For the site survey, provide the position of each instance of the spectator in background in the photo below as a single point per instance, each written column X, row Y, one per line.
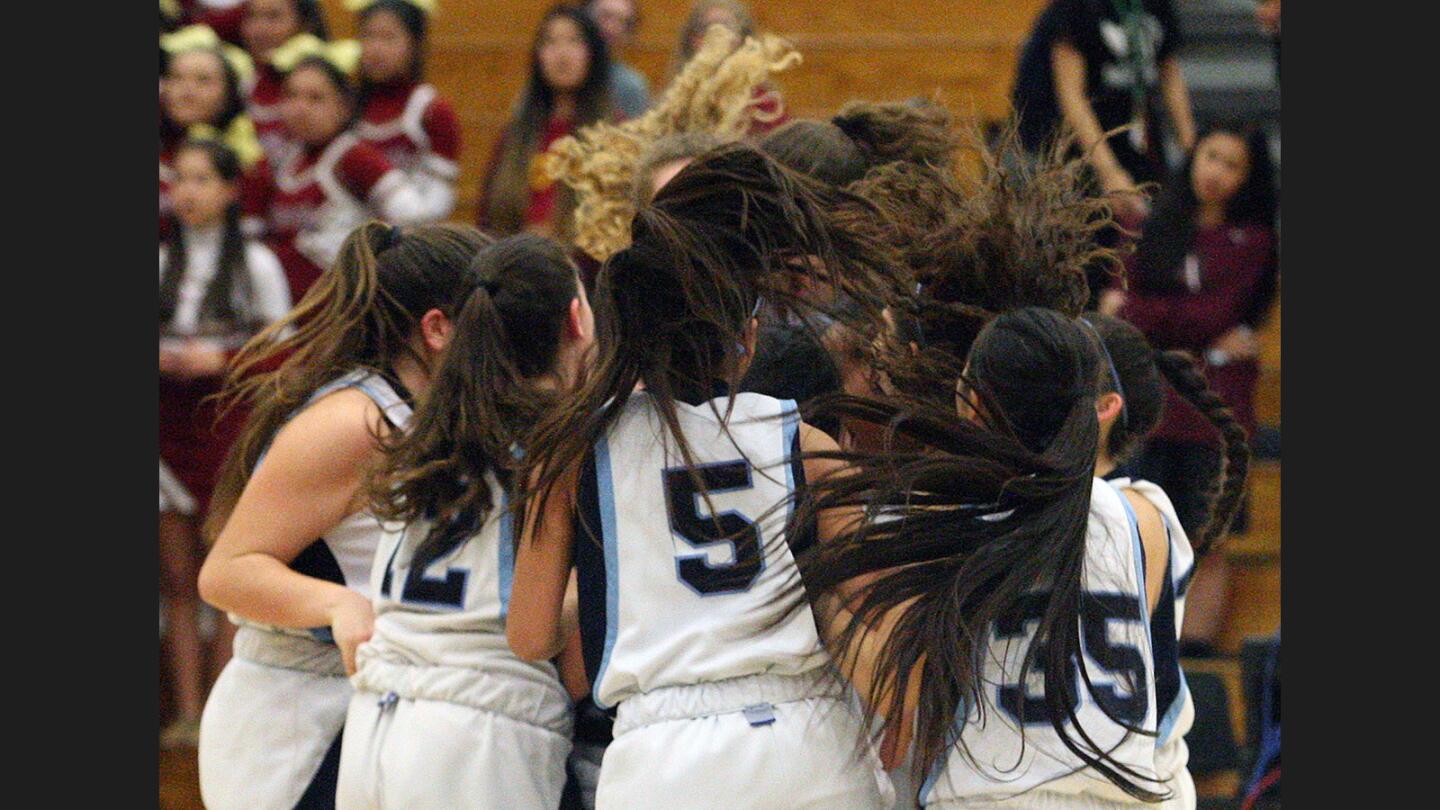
column 569, row 87
column 217, row 288
column 269, row 24
column 769, row 104
column 332, row 181
column 201, row 93
column 1094, row 65
column 1267, row 13
column 617, row 21
column 401, row 116
column 224, row 16
column 1202, row 279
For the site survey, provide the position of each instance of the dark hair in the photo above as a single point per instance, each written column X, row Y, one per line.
column 482, row 400
column 346, row 85
column 312, row 18
column 667, row 149
column 864, row 135
column 1007, row 233
column 232, row 279
column 359, row 313
column 234, row 104
column 416, row 23
column 507, row 190
column 1029, row 456
column 1169, row 232
column 671, row 307
column 1143, row 372
column 791, row 362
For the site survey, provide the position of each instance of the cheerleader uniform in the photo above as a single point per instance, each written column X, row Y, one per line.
column 263, row 106
column 319, row 194
column 192, row 446
column 270, row 735
column 420, row 135
column 444, row 715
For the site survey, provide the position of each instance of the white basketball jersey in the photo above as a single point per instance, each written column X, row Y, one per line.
column 1115, row 635
column 665, row 598
column 451, row 612
column 1172, row 695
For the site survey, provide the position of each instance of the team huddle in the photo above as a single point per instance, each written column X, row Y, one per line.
column 822, row 505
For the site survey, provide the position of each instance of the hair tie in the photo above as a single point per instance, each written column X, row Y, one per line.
column 492, row 286
column 1114, row 374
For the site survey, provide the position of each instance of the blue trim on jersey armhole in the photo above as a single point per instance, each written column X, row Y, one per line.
column 791, row 413
column 606, row 486
column 1139, row 561
column 1172, row 712
column 507, row 554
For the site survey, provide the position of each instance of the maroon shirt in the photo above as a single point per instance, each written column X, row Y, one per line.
column 1232, row 271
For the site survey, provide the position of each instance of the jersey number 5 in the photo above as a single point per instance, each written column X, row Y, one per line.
column 1123, row 663
column 682, row 503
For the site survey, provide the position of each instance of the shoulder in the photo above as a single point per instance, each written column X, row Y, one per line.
column 336, row 431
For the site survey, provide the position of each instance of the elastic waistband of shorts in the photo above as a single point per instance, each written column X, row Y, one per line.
column 288, row 651
column 722, row 697
column 534, row 700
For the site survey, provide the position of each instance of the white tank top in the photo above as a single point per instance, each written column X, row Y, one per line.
column 1175, row 710
column 440, row 630
column 662, row 601
column 1115, row 629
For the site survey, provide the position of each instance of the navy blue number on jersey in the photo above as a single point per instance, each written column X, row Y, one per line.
column 447, row 591
column 682, row 504
column 1122, row 663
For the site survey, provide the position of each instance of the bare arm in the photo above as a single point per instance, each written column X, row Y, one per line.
column 833, row 614
column 543, row 612
column 1067, row 65
column 309, row 480
column 1177, row 102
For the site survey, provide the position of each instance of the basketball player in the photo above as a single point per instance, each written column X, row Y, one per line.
column 664, row 500
column 291, row 561
column 444, row 715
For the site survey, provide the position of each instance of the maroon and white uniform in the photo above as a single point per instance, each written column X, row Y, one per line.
column 263, row 105
column 420, row 135
column 319, row 194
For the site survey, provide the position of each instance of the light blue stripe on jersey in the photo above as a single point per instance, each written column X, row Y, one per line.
column 507, row 554
column 606, row 495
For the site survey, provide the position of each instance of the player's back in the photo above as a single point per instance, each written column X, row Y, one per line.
column 440, row 625
column 665, row 598
column 1115, row 639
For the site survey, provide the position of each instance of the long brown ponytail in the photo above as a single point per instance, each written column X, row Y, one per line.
column 731, row 228
column 482, row 399
column 1026, row 464
column 359, row 314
